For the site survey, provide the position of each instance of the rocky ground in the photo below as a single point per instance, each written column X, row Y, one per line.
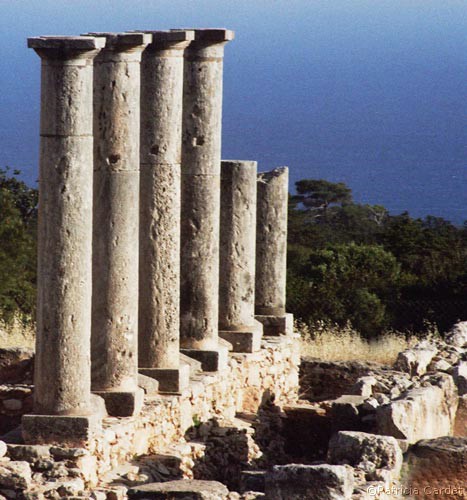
column 359, row 431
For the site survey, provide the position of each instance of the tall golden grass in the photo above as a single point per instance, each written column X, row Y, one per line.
column 322, row 340
column 18, row 332
column 336, row 343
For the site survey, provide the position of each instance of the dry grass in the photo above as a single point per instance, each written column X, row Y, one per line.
column 334, row 343
column 17, row 333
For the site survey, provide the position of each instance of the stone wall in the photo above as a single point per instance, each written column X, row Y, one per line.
column 16, row 366
column 217, row 426
column 249, row 382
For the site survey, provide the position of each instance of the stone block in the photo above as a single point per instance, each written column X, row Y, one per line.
column 457, row 336
column 248, row 340
column 460, row 425
column 359, row 449
column 28, row 453
column 183, row 489
column 460, row 377
column 276, row 325
column 211, row 361
column 62, row 430
column 426, row 412
column 317, row 482
column 252, row 480
column 437, row 467
column 124, row 403
column 195, row 365
column 172, row 381
column 149, row 385
column 15, row 475
column 415, row 360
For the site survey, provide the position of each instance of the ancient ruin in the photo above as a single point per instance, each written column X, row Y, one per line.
column 166, row 364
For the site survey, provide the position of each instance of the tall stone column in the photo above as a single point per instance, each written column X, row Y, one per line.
column 114, row 334
column 237, row 322
column 201, row 163
column 271, row 252
column 62, row 378
column 160, row 192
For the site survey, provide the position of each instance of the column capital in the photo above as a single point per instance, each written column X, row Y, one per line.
column 174, row 36
column 212, row 35
column 120, row 42
column 165, row 40
column 66, row 47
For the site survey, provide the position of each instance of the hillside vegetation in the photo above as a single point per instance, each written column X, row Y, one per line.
column 356, row 263
column 347, row 263
column 18, row 228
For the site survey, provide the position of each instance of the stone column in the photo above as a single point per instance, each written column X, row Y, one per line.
column 201, row 163
column 114, row 333
column 62, row 382
column 161, row 143
column 271, row 252
column 237, row 322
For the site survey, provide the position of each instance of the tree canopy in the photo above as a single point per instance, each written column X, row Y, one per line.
column 18, row 218
column 348, row 261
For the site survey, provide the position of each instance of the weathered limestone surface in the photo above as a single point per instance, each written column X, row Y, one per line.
column 423, row 413
column 416, row 360
column 367, row 451
column 460, row 425
column 320, row 482
column 174, row 426
column 114, row 334
column 437, row 468
column 160, row 212
column 62, row 369
column 457, row 336
column 459, row 374
column 271, row 252
column 271, row 241
column 186, row 489
column 237, row 256
column 201, row 163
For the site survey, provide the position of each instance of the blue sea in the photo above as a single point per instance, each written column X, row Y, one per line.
column 368, row 93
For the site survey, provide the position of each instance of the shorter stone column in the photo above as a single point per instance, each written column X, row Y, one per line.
column 114, row 334
column 160, row 192
column 64, row 410
column 237, row 322
column 271, row 252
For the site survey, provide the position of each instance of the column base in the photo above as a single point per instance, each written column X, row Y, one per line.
column 195, row 365
column 149, row 385
column 64, row 430
column 171, row 380
column 244, row 340
column 276, row 325
column 211, row 361
column 122, row 403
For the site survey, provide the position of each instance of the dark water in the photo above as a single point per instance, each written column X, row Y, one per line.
column 369, row 93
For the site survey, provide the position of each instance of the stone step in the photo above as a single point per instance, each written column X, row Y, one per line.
column 188, row 489
column 252, row 480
